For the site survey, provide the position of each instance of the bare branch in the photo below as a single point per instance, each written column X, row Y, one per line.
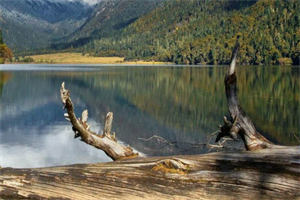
column 84, row 116
column 108, row 124
column 234, row 57
column 105, row 142
column 158, row 139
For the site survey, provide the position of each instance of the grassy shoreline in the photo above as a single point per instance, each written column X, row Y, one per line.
column 78, row 58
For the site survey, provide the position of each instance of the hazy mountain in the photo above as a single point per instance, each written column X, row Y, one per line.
column 108, row 18
column 35, row 24
column 31, row 24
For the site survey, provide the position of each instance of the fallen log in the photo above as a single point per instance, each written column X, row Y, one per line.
column 264, row 174
column 264, row 171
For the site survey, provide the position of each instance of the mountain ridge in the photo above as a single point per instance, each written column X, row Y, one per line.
column 108, row 17
column 33, row 24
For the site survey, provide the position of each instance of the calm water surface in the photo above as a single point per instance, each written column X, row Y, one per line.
column 183, row 105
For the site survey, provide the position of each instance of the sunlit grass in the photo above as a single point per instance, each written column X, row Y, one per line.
column 70, row 58
column 78, row 58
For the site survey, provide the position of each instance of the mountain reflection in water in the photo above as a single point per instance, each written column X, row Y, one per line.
column 182, row 105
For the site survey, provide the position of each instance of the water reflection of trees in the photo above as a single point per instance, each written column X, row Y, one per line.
column 271, row 98
column 192, row 100
column 1, row 83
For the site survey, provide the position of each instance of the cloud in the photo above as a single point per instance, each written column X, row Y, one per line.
column 90, row 2
column 52, row 146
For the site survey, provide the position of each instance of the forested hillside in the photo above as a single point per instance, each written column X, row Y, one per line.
column 179, row 31
column 203, row 32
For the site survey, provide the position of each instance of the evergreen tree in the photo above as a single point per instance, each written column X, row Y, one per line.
column 1, row 39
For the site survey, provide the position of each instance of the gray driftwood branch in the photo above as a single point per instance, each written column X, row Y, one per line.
column 106, row 141
column 240, row 124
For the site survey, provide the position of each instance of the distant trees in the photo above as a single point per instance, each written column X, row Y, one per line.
column 1, row 38
column 5, row 52
column 201, row 32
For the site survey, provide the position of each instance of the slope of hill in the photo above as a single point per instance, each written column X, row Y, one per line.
column 200, row 31
column 107, row 20
column 32, row 24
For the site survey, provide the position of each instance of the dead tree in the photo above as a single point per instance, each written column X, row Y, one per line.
column 240, row 124
column 265, row 171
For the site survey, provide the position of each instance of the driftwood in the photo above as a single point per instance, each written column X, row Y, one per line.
column 106, row 141
column 240, row 124
column 264, row 171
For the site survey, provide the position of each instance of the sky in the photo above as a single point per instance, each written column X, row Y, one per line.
column 91, row 2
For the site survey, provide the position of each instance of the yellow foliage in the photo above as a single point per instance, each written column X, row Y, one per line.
column 5, row 53
column 285, row 61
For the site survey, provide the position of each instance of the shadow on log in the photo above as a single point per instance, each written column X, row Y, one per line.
column 265, row 171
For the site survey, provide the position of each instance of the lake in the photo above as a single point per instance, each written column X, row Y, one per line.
column 179, row 105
